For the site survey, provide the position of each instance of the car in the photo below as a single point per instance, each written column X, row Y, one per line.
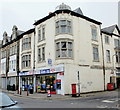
column 6, row 102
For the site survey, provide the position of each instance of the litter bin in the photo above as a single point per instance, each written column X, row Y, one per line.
column 110, row 86
column 13, row 87
column 73, row 90
column 31, row 91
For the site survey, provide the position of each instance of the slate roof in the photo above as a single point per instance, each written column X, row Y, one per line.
column 109, row 30
column 66, row 11
column 79, row 11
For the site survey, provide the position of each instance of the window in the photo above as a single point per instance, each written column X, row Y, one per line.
column 13, row 50
column 95, row 54
column 26, row 43
column 117, row 56
column 12, row 65
column 41, row 54
column 64, row 49
column 108, row 55
column 94, row 34
column 107, row 39
column 63, row 26
column 41, row 33
column 26, row 61
column 117, row 43
column 3, row 54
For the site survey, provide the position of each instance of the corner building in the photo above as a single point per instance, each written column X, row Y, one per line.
column 67, row 42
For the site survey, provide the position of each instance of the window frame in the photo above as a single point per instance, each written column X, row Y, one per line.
column 63, row 52
column 95, row 53
column 59, row 25
column 41, row 55
column 108, row 59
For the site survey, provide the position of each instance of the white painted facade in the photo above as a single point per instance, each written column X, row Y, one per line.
column 82, row 59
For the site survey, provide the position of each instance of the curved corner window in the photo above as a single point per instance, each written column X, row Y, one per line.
column 63, row 27
column 64, row 49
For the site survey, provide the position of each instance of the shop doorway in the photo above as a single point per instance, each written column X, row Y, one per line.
column 44, row 81
column 118, row 82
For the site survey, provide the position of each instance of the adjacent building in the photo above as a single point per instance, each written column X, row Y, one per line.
column 64, row 48
column 10, row 58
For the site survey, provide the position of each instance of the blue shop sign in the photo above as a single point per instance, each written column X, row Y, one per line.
column 44, row 71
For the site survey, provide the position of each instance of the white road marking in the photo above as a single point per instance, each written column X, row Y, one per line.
column 101, row 106
column 111, row 100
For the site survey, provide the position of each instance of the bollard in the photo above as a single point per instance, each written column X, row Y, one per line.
column 20, row 91
column 27, row 92
column 48, row 93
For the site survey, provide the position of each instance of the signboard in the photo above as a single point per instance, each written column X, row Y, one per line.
column 25, row 73
column 58, row 68
column 49, row 61
column 44, row 71
column 12, row 74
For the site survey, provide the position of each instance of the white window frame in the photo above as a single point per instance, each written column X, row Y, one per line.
column 94, row 33
column 26, row 61
column 107, row 39
column 41, row 53
column 41, row 33
column 108, row 56
column 59, row 25
column 63, row 50
column 95, row 53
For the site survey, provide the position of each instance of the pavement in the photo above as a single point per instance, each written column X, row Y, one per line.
column 44, row 96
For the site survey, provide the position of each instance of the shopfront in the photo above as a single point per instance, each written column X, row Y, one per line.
column 26, row 79
column 50, row 77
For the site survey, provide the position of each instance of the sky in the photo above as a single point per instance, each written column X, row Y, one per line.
column 23, row 13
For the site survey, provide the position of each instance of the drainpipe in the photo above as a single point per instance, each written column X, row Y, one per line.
column 103, row 60
column 34, row 76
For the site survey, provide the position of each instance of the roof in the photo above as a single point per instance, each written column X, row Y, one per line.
column 109, row 30
column 66, row 11
column 79, row 11
column 19, row 36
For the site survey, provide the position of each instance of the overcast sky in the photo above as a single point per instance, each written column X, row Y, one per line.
column 23, row 13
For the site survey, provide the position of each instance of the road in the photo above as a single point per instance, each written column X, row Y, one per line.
column 103, row 100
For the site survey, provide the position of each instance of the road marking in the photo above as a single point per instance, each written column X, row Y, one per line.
column 111, row 100
column 101, row 106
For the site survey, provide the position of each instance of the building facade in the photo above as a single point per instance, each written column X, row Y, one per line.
column 10, row 58
column 62, row 49
column 111, row 45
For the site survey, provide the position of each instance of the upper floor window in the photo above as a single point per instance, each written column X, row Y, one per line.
column 26, row 43
column 94, row 33
column 12, row 65
column 3, row 54
column 63, row 27
column 118, row 56
column 95, row 53
column 26, row 61
column 13, row 50
column 64, row 49
column 41, row 53
column 108, row 55
column 117, row 42
column 107, row 40
column 41, row 33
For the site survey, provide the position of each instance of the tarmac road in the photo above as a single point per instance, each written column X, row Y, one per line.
column 102, row 100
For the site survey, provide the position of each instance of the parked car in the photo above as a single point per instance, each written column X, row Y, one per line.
column 7, row 103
